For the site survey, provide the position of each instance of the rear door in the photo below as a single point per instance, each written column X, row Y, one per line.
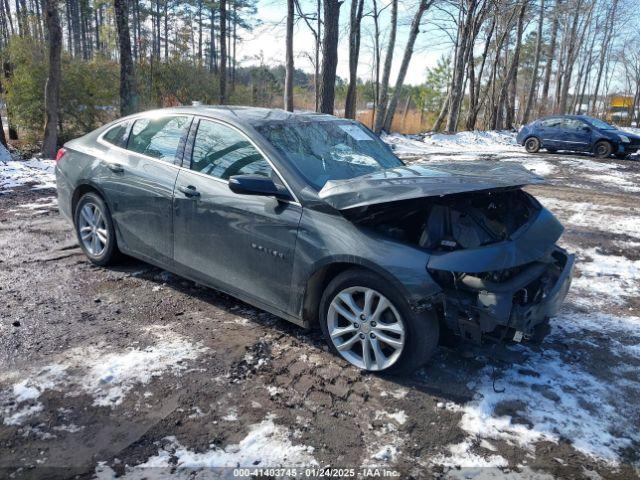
column 551, row 133
column 242, row 243
column 142, row 176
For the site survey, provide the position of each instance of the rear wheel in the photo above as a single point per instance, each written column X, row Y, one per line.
column 532, row 145
column 603, row 149
column 370, row 325
column 94, row 229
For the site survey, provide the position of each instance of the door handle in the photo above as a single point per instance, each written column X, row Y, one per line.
column 115, row 167
column 189, row 191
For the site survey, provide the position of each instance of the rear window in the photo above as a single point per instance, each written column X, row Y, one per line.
column 115, row 135
column 158, row 137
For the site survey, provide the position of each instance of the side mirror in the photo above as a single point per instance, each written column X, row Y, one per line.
column 586, row 129
column 257, row 185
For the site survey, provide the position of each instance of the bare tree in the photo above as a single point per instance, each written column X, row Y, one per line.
column 329, row 55
column 355, row 20
column 383, row 99
column 404, row 66
column 536, row 65
column 550, row 54
column 223, row 52
column 128, row 97
column 289, row 67
column 52, row 88
column 464, row 42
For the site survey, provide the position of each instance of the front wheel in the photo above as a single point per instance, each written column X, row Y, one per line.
column 603, row 149
column 370, row 325
column 532, row 145
column 94, row 228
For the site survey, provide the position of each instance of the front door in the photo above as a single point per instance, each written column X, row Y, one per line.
column 242, row 243
column 578, row 134
column 142, row 176
column 551, row 133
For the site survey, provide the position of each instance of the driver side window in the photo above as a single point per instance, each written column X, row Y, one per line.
column 222, row 152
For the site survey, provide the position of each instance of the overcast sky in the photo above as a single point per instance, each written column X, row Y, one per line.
column 268, row 40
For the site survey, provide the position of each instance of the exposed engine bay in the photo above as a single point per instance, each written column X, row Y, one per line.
column 514, row 302
column 452, row 222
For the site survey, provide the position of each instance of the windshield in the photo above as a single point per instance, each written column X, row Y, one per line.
column 601, row 125
column 329, row 150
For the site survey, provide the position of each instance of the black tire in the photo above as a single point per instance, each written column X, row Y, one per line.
column 421, row 331
column 109, row 253
column 602, row 149
column 552, row 150
column 532, row 145
column 622, row 156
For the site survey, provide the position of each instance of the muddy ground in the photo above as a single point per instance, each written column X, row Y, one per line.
column 203, row 370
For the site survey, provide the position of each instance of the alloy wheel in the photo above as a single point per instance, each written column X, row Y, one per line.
column 366, row 328
column 93, row 229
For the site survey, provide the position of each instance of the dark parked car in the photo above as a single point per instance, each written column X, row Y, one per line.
column 577, row 133
column 314, row 219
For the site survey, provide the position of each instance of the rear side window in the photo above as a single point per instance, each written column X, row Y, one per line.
column 116, row 134
column 551, row 122
column 572, row 124
column 221, row 152
column 158, row 137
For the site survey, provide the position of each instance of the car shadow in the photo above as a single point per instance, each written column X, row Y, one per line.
column 445, row 377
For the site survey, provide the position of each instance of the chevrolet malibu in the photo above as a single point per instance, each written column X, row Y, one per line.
column 314, row 219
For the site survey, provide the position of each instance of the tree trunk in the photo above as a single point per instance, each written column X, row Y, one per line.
column 3, row 138
column 52, row 87
column 572, row 52
column 316, row 77
column 128, row 97
column 457, row 83
column 536, row 64
column 608, row 32
column 386, row 71
column 289, row 67
column 513, row 85
column 354, row 53
column 404, row 66
column 376, row 59
column 213, row 64
column 474, row 96
column 550, row 57
column 329, row 55
column 223, row 52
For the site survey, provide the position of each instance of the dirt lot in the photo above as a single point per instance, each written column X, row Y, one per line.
column 134, row 371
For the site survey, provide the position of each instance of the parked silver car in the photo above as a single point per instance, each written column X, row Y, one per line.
column 314, row 219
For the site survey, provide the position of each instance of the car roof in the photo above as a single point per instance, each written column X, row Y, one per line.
column 248, row 115
column 577, row 117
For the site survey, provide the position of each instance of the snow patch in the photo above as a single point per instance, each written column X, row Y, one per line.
column 398, row 416
column 460, row 456
column 604, row 218
column 605, row 279
column 266, row 445
column 106, row 376
column 466, row 147
column 16, row 173
column 561, row 398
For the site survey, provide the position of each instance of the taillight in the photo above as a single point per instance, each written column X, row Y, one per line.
column 60, row 154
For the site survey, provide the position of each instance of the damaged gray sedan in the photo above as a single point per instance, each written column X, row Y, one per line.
column 314, row 219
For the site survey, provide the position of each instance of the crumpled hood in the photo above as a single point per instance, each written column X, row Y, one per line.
column 424, row 180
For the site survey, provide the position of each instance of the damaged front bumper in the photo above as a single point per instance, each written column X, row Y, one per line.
column 512, row 304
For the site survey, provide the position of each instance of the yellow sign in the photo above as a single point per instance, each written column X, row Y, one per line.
column 621, row 101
